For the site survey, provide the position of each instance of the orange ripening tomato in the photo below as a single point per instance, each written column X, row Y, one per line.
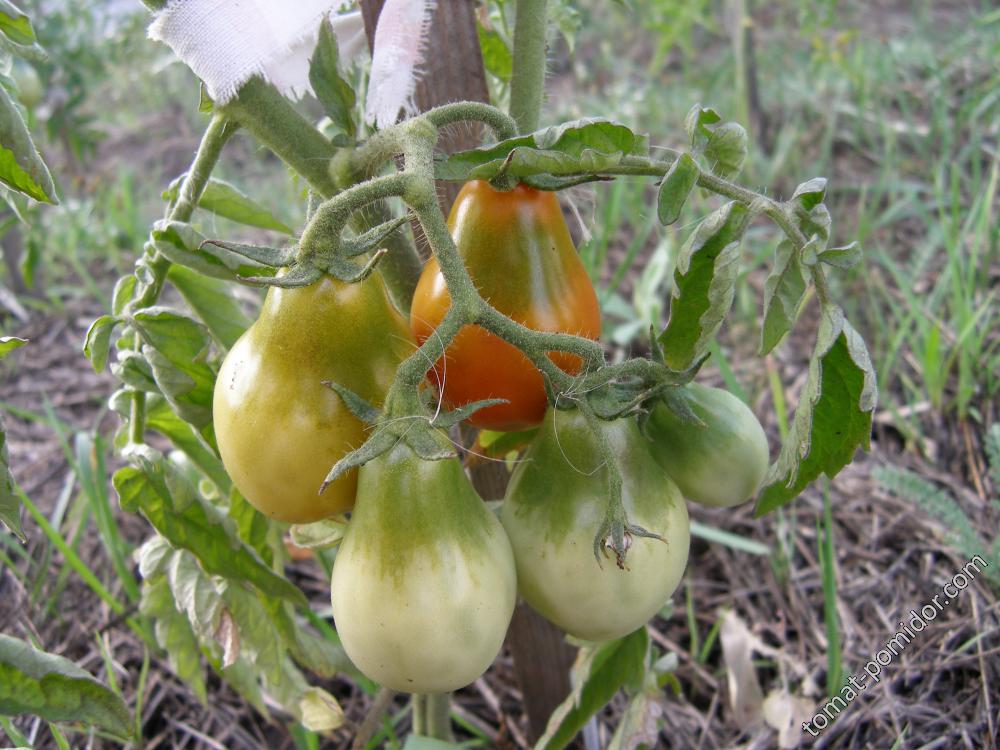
column 519, row 253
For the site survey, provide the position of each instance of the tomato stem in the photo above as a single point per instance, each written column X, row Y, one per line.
column 527, row 82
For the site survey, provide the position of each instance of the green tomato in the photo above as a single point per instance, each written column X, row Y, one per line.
column 278, row 427
column 423, row 584
column 721, row 463
column 555, row 504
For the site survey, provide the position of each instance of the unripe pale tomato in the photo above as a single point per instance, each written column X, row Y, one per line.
column 279, row 429
column 721, row 464
column 554, row 506
column 518, row 251
column 423, row 585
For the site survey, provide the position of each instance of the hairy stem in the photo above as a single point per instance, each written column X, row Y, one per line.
column 527, row 81
column 216, row 135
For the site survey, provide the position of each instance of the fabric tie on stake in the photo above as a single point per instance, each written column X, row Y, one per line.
column 227, row 42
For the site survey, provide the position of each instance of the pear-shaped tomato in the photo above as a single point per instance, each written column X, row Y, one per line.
column 721, row 464
column 519, row 253
column 423, row 584
column 279, row 429
column 555, row 504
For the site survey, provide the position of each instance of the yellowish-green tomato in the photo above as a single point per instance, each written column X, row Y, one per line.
column 721, row 463
column 423, row 584
column 555, row 504
column 278, row 427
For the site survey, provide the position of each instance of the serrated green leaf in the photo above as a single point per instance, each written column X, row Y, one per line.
column 704, row 285
column 726, row 149
column 677, row 185
column 834, row 416
column 9, row 344
column 600, row 671
column 176, row 347
column 784, row 291
column 97, row 344
column 153, row 557
column 21, row 166
column 54, row 688
column 212, row 301
column 174, row 635
column 188, row 522
column 180, row 243
column 224, row 199
column 587, row 145
column 497, row 57
column 333, row 92
column 10, row 503
column 845, row 257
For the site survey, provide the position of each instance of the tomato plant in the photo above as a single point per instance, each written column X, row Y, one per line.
column 721, row 461
column 557, row 498
column 423, row 586
column 278, row 426
column 518, row 251
column 325, row 399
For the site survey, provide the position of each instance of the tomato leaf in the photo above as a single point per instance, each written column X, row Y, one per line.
column 97, row 344
column 204, row 455
column 224, row 199
column 319, row 535
column 253, row 526
column 784, row 291
column 639, row 725
column 9, row 344
column 600, row 671
column 174, row 635
column 845, row 257
column 497, row 57
column 587, row 145
column 212, row 301
column 10, row 503
column 179, row 513
column 180, row 243
column 696, row 123
column 726, row 149
column 704, row 285
column 333, row 92
column 15, row 24
column 677, row 185
column 125, row 291
column 134, row 370
column 54, row 688
column 176, row 347
column 810, row 193
column 21, row 166
column 834, row 415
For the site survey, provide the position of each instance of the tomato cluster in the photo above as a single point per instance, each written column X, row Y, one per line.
column 426, row 578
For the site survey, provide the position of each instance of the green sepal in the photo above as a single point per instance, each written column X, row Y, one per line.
column 447, row 419
column 372, row 239
column 373, row 447
column 358, row 406
column 180, row 243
